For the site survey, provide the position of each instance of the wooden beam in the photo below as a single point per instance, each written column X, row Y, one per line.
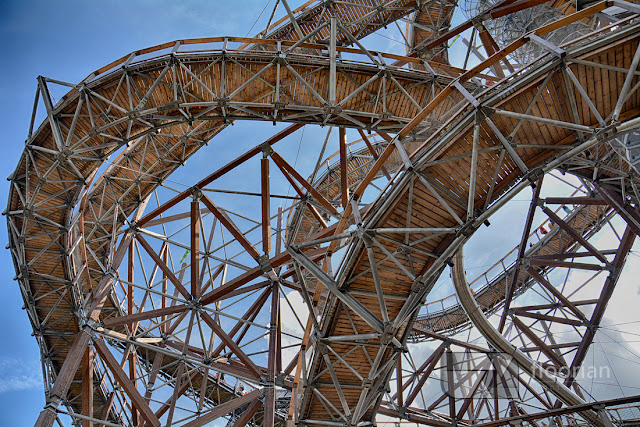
column 235, row 348
column 220, row 172
column 224, row 409
column 129, row 319
column 87, row 386
column 373, row 152
column 231, row 226
column 248, row 414
column 164, row 267
column 136, row 399
column 266, row 206
column 270, row 395
column 195, row 245
column 283, row 165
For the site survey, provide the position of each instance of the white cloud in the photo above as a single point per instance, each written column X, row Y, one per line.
column 16, row 375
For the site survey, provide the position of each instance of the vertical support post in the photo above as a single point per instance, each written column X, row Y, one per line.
column 165, row 259
column 266, row 205
column 332, row 62
column 399, row 380
column 451, row 386
column 131, row 357
column 195, row 245
column 343, row 167
column 279, row 233
column 270, row 396
column 474, row 170
column 87, row 386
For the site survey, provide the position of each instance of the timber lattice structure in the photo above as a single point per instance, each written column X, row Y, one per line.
column 131, row 333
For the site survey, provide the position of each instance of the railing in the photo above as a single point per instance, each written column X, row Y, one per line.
column 498, row 270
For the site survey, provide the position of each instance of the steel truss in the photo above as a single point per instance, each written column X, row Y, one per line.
column 130, row 335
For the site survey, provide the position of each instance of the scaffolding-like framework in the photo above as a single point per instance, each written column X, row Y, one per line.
column 149, row 304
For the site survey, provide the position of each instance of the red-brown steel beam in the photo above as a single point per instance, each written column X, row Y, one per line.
column 129, row 319
column 235, row 349
column 155, row 370
column 256, row 272
column 433, row 362
column 566, row 255
column 248, row 316
column 181, row 387
column 565, row 264
column 556, row 293
column 536, row 340
column 130, row 309
column 575, row 201
column 550, row 318
column 573, row 233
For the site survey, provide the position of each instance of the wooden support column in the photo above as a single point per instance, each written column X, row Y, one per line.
column 165, row 259
column 451, row 386
column 195, row 245
column 87, row 386
column 266, row 205
column 344, row 182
